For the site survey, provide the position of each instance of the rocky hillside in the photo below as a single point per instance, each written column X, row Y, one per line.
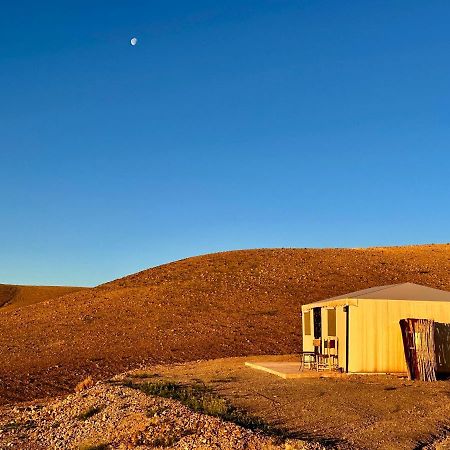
column 226, row 304
column 14, row 296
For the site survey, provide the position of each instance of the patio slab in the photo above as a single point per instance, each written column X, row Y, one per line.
column 291, row 369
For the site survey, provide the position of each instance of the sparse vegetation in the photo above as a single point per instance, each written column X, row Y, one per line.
column 144, row 375
column 99, row 446
column 202, row 399
column 19, row 426
column 11, row 426
column 92, row 411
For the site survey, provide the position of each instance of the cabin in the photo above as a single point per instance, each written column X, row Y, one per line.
column 361, row 330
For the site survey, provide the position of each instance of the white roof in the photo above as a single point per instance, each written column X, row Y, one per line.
column 403, row 291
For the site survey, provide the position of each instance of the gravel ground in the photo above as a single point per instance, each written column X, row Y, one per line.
column 123, row 418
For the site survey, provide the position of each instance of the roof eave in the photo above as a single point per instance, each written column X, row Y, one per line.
column 331, row 303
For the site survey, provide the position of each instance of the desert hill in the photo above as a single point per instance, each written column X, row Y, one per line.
column 218, row 305
column 14, row 296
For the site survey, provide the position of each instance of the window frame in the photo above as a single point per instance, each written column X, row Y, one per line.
column 331, row 312
column 307, row 329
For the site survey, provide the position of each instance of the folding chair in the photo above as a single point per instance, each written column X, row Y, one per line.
column 331, row 353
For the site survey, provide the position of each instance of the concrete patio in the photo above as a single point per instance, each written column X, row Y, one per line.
column 291, row 369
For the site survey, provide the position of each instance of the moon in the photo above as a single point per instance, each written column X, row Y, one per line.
column 133, row 41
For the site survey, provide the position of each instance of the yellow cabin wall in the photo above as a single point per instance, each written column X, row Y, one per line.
column 375, row 341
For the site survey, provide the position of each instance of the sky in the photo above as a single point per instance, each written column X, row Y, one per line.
column 230, row 125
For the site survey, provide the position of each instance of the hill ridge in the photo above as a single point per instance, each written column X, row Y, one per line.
column 13, row 296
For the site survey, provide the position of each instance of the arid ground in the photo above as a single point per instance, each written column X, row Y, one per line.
column 220, row 305
column 350, row 412
column 346, row 413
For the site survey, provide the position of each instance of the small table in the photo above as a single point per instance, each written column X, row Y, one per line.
column 307, row 359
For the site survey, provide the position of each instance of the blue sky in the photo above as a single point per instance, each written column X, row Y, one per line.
column 230, row 125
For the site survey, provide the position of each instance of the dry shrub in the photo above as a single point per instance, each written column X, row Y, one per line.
column 86, row 414
column 85, row 384
column 93, row 446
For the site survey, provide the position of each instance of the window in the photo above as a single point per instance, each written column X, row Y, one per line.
column 317, row 321
column 307, row 322
column 331, row 322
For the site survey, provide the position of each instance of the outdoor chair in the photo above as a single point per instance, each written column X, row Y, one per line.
column 307, row 360
column 330, row 356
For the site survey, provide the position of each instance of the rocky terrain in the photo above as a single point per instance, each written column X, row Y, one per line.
column 222, row 404
column 226, row 304
column 112, row 416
